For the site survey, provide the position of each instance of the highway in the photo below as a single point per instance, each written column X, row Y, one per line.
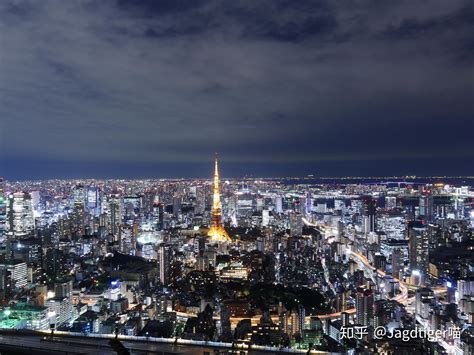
column 402, row 297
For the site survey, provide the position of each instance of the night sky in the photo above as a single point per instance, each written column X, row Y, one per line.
column 279, row 88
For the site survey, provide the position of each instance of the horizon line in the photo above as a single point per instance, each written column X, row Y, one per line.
column 305, row 177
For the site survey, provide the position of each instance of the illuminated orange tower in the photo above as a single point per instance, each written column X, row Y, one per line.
column 217, row 231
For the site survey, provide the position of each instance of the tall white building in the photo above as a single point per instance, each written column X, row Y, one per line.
column 13, row 275
column 61, row 307
column 265, row 217
column 279, row 204
column 36, row 199
column 164, row 260
column 21, row 220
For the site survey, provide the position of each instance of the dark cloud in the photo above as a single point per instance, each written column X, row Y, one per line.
column 459, row 18
column 274, row 86
column 153, row 8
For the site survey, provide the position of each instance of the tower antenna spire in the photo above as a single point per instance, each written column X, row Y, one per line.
column 217, row 231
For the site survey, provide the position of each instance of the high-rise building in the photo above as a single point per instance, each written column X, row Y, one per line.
column 424, row 299
column 21, row 222
column 296, row 224
column 61, row 307
column 176, row 206
column 284, row 323
column 308, row 203
column 301, row 319
column 78, row 219
column 265, row 217
column 298, row 320
column 279, row 204
column 79, row 194
column 397, row 263
column 364, row 307
column 103, row 225
column 382, row 312
column 380, row 261
column 3, row 210
column 115, row 211
column 200, row 205
column 164, row 261
column 370, row 212
column 418, row 247
column 35, row 199
column 426, row 207
column 13, row 275
column 226, row 332
column 217, row 231
column 148, row 200
column 158, row 214
column 126, row 239
column 93, row 200
column 436, row 236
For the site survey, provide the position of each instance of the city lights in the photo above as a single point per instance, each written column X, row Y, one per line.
column 294, row 264
column 236, row 177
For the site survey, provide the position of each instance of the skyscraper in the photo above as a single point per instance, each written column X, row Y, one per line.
column 115, row 207
column 79, row 194
column 176, row 206
column 364, row 307
column 217, row 231
column 426, row 207
column 93, row 202
column 164, row 260
column 296, row 224
column 20, row 215
column 424, row 297
column 78, row 219
column 158, row 215
column 370, row 212
column 3, row 210
column 397, row 262
column 418, row 247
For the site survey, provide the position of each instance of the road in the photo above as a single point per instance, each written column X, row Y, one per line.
column 402, row 297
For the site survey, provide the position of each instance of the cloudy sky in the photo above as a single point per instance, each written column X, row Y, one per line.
column 153, row 88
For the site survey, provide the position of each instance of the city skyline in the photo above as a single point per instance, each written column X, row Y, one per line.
column 255, row 264
column 142, row 89
column 230, row 177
